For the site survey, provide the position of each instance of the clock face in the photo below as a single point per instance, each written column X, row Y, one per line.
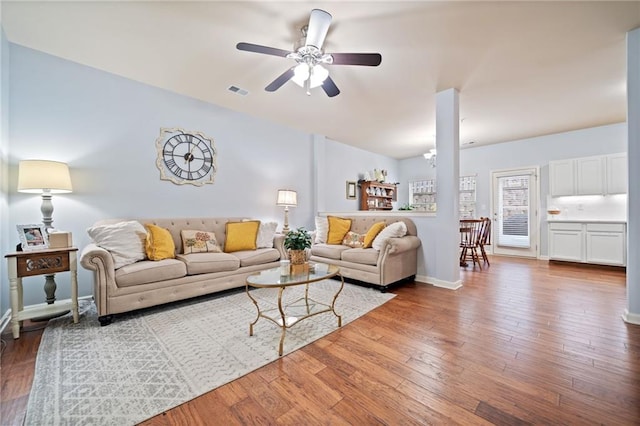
column 185, row 157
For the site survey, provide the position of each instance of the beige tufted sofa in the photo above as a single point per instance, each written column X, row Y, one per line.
column 397, row 261
column 148, row 283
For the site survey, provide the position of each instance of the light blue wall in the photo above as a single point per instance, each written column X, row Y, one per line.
column 105, row 128
column 342, row 163
column 5, row 246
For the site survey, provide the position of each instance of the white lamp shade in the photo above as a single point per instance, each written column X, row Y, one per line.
column 287, row 197
column 37, row 176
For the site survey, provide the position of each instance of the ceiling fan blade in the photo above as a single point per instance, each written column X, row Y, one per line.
column 330, row 88
column 319, row 22
column 278, row 82
column 250, row 47
column 369, row 59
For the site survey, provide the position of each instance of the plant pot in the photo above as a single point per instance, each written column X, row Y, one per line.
column 297, row 257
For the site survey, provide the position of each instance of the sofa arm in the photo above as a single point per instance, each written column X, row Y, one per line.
column 95, row 258
column 402, row 244
column 278, row 243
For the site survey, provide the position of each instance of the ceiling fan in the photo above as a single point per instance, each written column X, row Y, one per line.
column 309, row 71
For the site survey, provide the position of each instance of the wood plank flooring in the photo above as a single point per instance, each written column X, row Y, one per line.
column 523, row 342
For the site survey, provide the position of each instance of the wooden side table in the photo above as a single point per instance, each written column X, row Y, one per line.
column 41, row 262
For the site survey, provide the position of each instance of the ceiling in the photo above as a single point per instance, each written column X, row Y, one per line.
column 523, row 69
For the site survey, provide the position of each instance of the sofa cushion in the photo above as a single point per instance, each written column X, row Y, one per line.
column 203, row 263
column 266, row 233
column 150, row 271
column 338, row 228
column 241, row 236
column 199, row 241
column 124, row 240
column 257, row 257
column 159, row 244
column 363, row 256
column 330, row 251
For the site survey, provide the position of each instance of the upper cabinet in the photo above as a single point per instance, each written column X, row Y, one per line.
column 598, row 175
column 617, row 179
column 590, row 176
column 562, row 178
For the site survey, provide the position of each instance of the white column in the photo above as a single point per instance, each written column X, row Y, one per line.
column 632, row 312
column 447, row 195
column 318, row 166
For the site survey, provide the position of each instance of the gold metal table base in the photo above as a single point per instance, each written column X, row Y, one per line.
column 283, row 321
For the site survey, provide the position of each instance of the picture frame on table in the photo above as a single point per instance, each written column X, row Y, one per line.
column 351, row 190
column 33, row 237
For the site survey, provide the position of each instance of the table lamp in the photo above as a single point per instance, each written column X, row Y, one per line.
column 287, row 198
column 46, row 178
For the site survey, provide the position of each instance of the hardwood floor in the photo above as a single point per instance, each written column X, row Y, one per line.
column 523, row 342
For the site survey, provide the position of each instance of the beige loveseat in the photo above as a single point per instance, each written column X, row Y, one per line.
column 397, row 260
column 148, row 283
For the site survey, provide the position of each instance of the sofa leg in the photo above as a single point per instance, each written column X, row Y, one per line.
column 105, row 320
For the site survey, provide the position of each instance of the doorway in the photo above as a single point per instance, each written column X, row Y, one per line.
column 514, row 206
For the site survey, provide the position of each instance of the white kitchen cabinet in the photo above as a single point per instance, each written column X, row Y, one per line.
column 602, row 243
column 606, row 244
column 598, row 175
column 566, row 242
column 590, row 177
column 617, row 175
column 562, row 178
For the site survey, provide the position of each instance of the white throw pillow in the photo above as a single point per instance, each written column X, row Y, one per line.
column 125, row 241
column 266, row 232
column 322, row 229
column 394, row 230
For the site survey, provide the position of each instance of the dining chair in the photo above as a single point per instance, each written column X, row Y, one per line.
column 471, row 233
column 485, row 240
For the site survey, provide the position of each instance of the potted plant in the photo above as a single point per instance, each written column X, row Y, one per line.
column 297, row 242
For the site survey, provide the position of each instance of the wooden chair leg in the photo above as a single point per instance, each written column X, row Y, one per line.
column 484, row 255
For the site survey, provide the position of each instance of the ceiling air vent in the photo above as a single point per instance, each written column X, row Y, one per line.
column 238, row 90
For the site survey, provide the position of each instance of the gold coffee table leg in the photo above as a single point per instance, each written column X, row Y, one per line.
column 333, row 303
column 283, row 319
column 257, row 308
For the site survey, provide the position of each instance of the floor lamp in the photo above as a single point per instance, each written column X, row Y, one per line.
column 287, row 198
column 45, row 178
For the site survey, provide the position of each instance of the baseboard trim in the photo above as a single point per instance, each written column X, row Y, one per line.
column 450, row 285
column 6, row 318
column 630, row 318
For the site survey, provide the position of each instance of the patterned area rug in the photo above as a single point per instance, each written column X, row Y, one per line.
column 150, row 361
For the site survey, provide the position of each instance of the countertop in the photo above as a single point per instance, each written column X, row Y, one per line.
column 586, row 221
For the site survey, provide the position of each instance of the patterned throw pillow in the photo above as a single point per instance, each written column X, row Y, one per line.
column 199, row 242
column 353, row 240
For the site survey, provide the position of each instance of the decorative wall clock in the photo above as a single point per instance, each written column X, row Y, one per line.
column 185, row 157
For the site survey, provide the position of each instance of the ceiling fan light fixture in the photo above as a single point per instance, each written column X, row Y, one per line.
column 303, row 72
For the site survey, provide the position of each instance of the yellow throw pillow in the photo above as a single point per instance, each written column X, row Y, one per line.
column 241, row 236
column 159, row 243
column 372, row 233
column 199, row 242
column 338, row 228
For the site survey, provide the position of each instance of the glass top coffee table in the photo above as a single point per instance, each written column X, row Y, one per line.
column 285, row 315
